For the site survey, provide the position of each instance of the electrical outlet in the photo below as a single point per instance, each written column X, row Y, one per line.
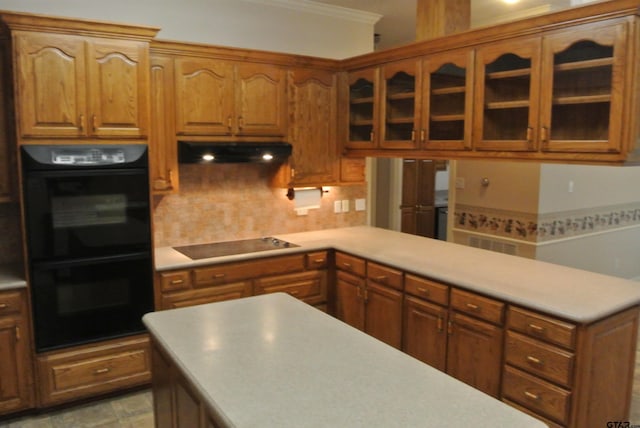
column 460, row 183
column 345, row 206
column 337, row 207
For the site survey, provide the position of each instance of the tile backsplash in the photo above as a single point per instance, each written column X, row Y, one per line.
column 10, row 238
column 224, row 202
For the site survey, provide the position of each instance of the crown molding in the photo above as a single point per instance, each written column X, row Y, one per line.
column 310, row 6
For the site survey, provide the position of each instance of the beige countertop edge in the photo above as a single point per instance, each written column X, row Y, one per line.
column 574, row 294
column 11, row 277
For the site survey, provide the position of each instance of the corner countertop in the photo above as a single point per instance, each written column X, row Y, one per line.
column 11, row 276
column 273, row 361
column 565, row 292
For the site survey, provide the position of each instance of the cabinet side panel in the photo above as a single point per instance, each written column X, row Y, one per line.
column 605, row 373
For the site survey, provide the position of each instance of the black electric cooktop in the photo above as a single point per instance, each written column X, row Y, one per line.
column 228, row 248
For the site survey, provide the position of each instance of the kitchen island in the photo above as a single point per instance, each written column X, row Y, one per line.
column 272, row 361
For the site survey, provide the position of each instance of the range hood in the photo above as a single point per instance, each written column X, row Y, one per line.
column 232, row 152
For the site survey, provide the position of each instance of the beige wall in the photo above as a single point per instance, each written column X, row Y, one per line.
column 246, row 24
column 234, row 201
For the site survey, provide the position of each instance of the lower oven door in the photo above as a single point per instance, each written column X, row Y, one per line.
column 85, row 301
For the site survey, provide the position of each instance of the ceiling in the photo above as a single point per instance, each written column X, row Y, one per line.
column 397, row 25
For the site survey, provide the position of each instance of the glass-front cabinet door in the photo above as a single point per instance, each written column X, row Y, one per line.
column 507, row 94
column 447, row 107
column 363, row 109
column 400, row 96
column 581, row 102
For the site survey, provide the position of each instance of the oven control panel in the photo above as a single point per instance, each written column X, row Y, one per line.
column 90, row 156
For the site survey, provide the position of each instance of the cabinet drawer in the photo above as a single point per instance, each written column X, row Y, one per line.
column 88, row 370
column 426, row 289
column 170, row 281
column 10, row 302
column 310, row 287
column 542, row 327
column 385, row 275
column 477, row 306
column 536, row 357
column 216, row 293
column 348, row 263
column 225, row 273
column 317, row 260
column 537, row 395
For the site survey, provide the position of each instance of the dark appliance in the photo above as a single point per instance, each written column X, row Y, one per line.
column 230, row 152
column 228, row 248
column 87, row 218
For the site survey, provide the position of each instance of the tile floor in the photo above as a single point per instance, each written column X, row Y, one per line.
column 135, row 410
column 132, row 410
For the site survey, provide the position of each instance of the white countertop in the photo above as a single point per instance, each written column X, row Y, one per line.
column 273, row 361
column 574, row 294
column 11, row 276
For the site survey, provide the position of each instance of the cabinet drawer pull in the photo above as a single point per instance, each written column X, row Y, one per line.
column 3, row 306
column 533, row 360
column 423, row 291
column 94, row 123
column 531, row 395
column 529, row 134
column 413, row 135
column 422, row 135
column 440, row 324
column 176, row 281
column 219, row 276
column 473, row 307
column 102, row 370
column 536, row 329
column 294, row 292
column 371, row 136
column 544, row 134
column 81, row 120
column 381, row 278
column 346, row 265
column 319, row 261
column 240, row 122
column 229, row 123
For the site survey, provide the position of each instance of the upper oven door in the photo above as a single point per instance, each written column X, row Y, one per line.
column 86, row 212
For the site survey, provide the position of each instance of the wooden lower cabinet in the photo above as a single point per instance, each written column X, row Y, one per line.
column 16, row 373
column 88, row 370
column 350, row 299
column 474, row 353
column 302, row 275
column 176, row 405
column 383, row 314
column 567, row 374
column 424, row 332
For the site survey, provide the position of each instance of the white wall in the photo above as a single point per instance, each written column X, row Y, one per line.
column 263, row 25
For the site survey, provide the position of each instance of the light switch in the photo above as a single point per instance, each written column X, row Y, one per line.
column 459, row 182
column 345, row 206
column 361, row 204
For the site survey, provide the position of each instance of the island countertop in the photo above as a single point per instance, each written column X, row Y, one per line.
column 273, row 361
column 565, row 292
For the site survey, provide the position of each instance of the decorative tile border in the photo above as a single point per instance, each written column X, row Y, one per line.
column 567, row 224
column 546, row 227
column 509, row 224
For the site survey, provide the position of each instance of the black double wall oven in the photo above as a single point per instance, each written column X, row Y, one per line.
column 87, row 218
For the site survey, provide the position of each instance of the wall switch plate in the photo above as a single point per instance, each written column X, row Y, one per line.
column 345, row 206
column 460, row 183
column 337, row 207
column 361, row 204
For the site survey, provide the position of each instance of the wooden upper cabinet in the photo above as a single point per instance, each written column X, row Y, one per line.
column 118, row 88
column 506, row 95
column 204, row 96
column 75, row 86
column 363, row 109
column 163, row 148
column 447, row 106
column 51, row 85
column 223, row 98
column 400, row 104
column 582, row 89
column 261, row 100
column 312, row 127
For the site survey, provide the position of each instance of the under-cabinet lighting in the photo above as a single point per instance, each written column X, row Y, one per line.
column 511, row 1
column 208, row 157
column 267, row 156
